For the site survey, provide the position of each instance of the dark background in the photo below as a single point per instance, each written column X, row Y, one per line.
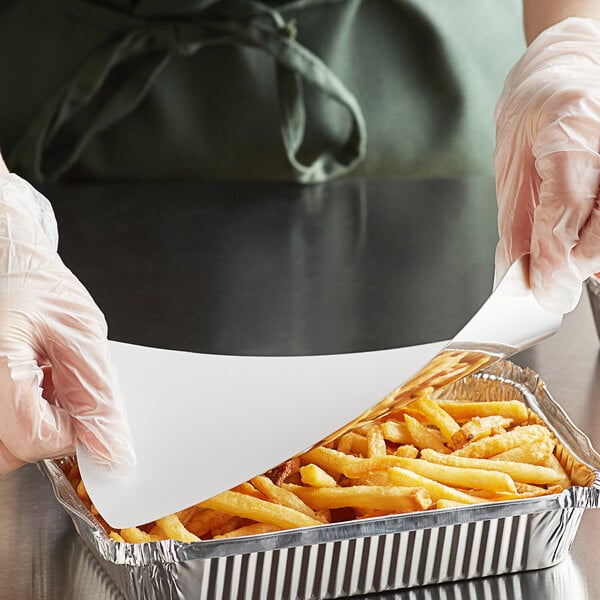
column 272, row 268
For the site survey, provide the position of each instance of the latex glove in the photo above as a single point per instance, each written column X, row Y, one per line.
column 48, row 318
column 547, row 162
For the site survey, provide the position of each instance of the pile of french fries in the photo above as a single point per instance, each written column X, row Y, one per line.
column 431, row 454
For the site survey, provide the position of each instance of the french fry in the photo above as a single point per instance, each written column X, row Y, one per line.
column 445, row 503
column 249, row 489
column 521, row 472
column 204, row 521
column 259, row 510
column 463, row 411
column 82, row 493
column 331, row 460
column 423, row 437
column 231, row 525
column 372, row 478
column 157, row 532
column 536, row 453
column 282, row 496
column 490, row 446
column 479, row 427
column 115, row 537
column 529, row 488
column 493, row 496
column 353, row 443
column 460, row 476
column 407, row 450
column 188, row 514
column 436, row 416
column 396, row 432
column 375, row 442
column 370, row 514
column 553, row 463
column 386, row 497
column 314, row 476
column 361, row 467
column 436, row 490
column 174, row 529
column 252, row 529
column 134, row 535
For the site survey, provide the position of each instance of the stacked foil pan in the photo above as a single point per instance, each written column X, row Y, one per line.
column 372, row 555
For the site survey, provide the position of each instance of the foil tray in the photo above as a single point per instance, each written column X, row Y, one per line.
column 372, row 555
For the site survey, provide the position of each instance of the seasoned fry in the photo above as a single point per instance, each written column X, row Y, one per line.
column 252, row 529
column 521, row 472
column 536, row 453
column 173, row 528
column 248, row 488
column 331, row 460
column 479, row 427
column 282, row 496
column 115, row 537
column 256, row 509
column 204, row 521
column 552, row 463
column 353, row 443
column 230, row 525
column 490, row 446
column 407, row 450
column 460, row 476
column 314, row 476
column 435, row 489
column 375, row 442
column 445, row 503
column 396, row 432
column 134, row 535
column 424, row 437
column 284, row 470
column 387, row 497
column 360, row 467
column 463, row 411
column 436, row 416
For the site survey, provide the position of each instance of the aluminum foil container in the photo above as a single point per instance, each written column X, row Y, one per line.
column 371, row 555
column 593, row 288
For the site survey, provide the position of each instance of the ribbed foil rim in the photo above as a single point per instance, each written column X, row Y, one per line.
column 504, row 380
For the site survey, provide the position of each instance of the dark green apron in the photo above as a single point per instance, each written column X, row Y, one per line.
column 188, row 89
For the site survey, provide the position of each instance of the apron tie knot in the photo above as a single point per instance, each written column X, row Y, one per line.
column 94, row 100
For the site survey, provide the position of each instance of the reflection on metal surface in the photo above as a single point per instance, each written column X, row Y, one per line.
column 85, row 577
column 562, row 582
column 325, row 238
column 277, row 269
column 42, row 556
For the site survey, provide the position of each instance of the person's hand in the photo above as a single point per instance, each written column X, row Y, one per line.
column 547, row 162
column 57, row 382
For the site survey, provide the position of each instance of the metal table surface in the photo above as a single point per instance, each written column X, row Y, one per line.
column 273, row 268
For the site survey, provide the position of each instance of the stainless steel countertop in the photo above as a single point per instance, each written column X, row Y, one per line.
column 126, row 250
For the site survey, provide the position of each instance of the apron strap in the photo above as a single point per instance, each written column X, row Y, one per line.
column 113, row 81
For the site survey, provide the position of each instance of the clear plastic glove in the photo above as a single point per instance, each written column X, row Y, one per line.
column 48, row 319
column 547, row 162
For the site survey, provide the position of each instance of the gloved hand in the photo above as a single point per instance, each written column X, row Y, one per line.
column 547, row 162
column 48, row 318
